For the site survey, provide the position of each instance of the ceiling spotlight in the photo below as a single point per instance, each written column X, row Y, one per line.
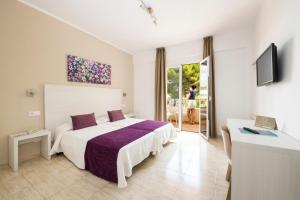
column 150, row 11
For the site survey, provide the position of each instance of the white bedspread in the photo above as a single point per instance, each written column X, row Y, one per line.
column 73, row 143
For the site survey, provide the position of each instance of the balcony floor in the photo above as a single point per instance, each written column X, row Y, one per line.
column 190, row 127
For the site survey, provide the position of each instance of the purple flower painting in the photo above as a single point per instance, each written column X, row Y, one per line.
column 84, row 70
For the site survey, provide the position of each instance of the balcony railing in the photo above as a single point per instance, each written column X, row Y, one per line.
column 199, row 114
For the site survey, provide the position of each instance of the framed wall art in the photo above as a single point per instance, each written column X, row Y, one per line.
column 89, row 71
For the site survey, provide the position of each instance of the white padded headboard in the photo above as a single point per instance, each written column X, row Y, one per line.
column 62, row 101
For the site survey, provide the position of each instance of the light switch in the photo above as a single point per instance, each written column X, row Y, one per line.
column 34, row 113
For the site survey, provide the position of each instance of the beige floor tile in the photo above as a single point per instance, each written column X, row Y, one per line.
column 100, row 195
column 94, row 180
column 82, row 189
column 190, row 168
column 14, row 185
column 34, row 164
column 27, row 193
column 129, row 192
column 68, row 177
column 220, row 195
column 49, row 189
column 181, row 195
column 38, row 177
column 6, row 174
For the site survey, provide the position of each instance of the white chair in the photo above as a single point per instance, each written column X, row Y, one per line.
column 172, row 113
column 227, row 147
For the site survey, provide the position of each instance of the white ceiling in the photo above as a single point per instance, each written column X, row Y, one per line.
column 123, row 24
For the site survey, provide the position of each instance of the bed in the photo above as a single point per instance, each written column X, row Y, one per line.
column 73, row 144
column 63, row 101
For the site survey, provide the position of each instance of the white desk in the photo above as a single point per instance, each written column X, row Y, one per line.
column 263, row 167
column 43, row 135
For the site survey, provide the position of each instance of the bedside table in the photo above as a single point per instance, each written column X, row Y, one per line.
column 21, row 138
column 130, row 115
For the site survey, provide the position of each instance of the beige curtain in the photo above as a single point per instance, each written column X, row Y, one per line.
column 160, row 85
column 208, row 50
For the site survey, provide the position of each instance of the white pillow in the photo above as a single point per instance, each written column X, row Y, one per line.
column 102, row 119
column 62, row 128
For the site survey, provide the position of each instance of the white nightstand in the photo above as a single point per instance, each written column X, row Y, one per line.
column 130, row 115
column 14, row 140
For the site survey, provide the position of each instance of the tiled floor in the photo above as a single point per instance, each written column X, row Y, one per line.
column 189, row 168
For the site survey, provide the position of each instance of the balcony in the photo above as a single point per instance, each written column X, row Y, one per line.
column 197, row 121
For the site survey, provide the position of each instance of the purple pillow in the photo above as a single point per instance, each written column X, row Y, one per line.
column 115, row 115
column 83, row 121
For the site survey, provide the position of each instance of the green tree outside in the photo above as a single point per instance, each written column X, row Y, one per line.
column 190, row 76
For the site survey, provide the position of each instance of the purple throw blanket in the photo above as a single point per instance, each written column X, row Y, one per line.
column 101, row 152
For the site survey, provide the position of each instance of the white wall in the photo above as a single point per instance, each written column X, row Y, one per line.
column 33, row 49
column 279, row 22
column 143, row 86
column 233, row 64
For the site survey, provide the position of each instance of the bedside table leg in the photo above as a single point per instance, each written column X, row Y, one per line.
column 13, row 154
column 45, row 146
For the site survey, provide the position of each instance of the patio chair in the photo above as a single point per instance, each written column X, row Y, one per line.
column 172, row 113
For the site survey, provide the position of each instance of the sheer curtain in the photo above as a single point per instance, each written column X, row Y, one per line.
column 160, row 85
column 208, row 50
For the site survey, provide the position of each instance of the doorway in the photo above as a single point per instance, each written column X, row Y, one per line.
column 190, row 97
column 187, row 97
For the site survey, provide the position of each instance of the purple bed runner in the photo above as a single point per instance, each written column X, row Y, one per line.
column 101, row 152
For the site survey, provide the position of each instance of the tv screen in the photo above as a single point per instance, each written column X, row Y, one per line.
column 266, row 66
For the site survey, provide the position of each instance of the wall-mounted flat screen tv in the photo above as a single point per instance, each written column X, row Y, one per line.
column 266, row 66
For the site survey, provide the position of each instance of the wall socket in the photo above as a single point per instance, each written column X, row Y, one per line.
column 34, row 113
